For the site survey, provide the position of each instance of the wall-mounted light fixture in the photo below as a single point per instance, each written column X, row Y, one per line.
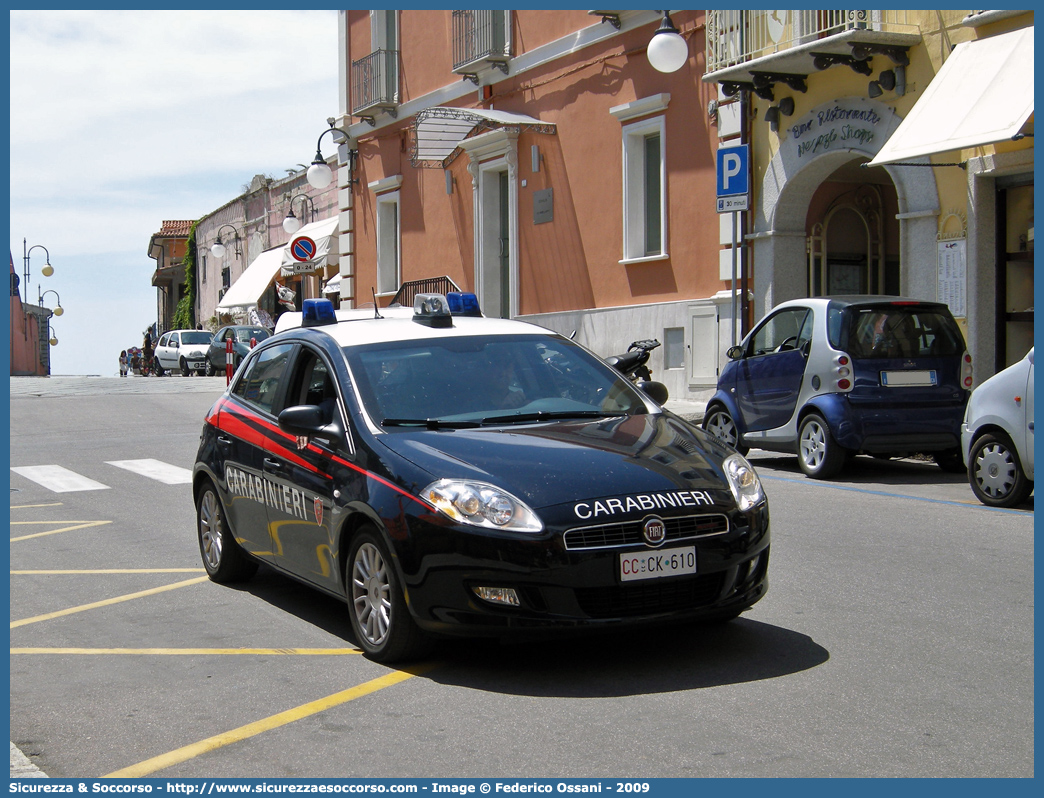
column 785, row 107
column 218, row 248
column 291, row 223
column 52, row 336
column 667, row 51
column 319, row 174
column 889, row 80
column 58, row 311
column 46, row 271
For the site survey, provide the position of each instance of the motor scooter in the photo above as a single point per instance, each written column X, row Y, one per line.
column 633, row 364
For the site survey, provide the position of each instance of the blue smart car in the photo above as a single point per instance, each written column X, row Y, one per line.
column 831, row 377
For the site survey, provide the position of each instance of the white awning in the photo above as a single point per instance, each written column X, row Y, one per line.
column 310, row 248
column 983, row 94
column 333, row 285
column 252, row 283
column 439, row 130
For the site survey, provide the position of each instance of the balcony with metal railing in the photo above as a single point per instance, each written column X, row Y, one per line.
column 481, row 38
column 375, row 84
column 744, row 45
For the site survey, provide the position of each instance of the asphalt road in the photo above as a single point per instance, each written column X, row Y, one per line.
column 896, row 638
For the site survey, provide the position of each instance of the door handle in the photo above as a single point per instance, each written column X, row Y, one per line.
column 273, row 465
column 224, row 440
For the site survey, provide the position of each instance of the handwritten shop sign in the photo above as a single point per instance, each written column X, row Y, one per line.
column 840, row 125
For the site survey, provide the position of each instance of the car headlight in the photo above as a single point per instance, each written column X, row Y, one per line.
column 743, row 480
column 481, row 504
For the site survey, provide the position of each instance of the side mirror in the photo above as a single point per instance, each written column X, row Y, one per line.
column 656, row 391
column 306, row 421
column 735, row 352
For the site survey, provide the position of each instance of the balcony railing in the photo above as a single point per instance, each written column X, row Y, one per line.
column 375, row 82
column 735, row 36
column 480, row 36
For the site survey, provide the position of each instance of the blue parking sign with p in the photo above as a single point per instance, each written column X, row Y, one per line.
column 732, row 171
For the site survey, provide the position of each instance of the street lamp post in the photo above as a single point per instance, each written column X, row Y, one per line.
column 58, row 310
column 46, row 271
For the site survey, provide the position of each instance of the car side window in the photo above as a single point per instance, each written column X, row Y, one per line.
column 782, row 332
column 259, row 385
column 174, row 340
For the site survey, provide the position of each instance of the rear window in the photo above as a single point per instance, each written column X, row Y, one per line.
column 895, row 331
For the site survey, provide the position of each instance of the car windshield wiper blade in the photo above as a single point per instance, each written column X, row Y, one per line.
column 428, row 423
column 549, row 415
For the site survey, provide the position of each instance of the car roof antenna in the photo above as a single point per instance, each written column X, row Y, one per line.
column 376, row 309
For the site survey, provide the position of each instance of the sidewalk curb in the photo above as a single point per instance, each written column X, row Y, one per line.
column 22, row 767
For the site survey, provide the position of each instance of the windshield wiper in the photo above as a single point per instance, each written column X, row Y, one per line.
column 549, row 415
column 428, row 423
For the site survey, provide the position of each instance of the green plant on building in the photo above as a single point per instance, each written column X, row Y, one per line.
column 185, row 313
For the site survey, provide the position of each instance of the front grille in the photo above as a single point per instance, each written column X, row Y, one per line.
column 629, row 533
column 650, row 599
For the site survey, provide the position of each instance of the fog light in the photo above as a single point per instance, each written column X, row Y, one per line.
column 498, row 595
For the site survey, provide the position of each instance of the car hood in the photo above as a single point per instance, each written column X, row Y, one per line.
column 555, row 463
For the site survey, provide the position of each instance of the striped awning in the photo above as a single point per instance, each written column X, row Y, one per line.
column 439, row 131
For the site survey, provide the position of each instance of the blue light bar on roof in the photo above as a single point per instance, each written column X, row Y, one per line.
column 463, row 304
column 317, row 312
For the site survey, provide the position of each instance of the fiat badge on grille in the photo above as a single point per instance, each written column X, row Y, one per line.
column 654, row 531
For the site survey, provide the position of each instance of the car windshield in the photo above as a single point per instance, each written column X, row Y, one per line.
column 470, row 381
column 196, row 338
column 897, row 331
column 246, row 333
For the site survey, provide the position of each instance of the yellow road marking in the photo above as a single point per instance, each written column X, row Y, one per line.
column 107, row 602
column 179, row 755
column 77, row 525
column 193, row 651
column 115, row 571
column 31, row 506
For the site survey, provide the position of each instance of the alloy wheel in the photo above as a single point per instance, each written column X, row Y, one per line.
column 371, row 594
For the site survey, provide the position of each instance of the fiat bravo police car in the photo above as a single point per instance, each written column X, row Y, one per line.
column 451, row 474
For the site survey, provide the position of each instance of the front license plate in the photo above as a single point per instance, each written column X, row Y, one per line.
column 657, row 564
column 901, row 379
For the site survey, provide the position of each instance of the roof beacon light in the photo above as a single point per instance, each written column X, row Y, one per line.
column 432, row 310
column 317, row 312
column 463, row 304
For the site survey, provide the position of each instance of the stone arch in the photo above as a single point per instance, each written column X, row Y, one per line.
column 813, row 148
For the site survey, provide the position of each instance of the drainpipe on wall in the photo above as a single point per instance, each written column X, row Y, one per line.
column 745, row 223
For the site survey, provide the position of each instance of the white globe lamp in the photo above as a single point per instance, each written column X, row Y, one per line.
column 668, row 51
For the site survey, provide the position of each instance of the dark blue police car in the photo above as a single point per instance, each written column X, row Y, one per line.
column 448, row 473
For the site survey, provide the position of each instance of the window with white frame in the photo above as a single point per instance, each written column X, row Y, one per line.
column 644, row 178
column 389, row 257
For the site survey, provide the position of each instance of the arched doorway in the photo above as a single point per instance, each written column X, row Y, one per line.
column 797, row 176
column 853, row 235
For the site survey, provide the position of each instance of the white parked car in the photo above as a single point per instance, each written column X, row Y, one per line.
column 182, row 349
column 997, row 436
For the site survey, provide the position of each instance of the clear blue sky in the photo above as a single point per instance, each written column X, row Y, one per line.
column 122, row 119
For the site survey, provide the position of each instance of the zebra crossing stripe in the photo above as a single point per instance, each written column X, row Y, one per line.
column 155, row 469
column 58, row 479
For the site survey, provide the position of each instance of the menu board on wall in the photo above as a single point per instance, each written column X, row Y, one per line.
column 953, row 276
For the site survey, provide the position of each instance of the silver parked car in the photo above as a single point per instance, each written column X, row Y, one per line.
column 997, row 436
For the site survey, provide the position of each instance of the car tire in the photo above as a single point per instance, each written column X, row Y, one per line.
column 381, row 621
column 819, row 455
column 184, row 368
column 951, row 461
column 208, row 369
column 157, row 368
column 722, row 426
column 995, row 472
column 223, row 557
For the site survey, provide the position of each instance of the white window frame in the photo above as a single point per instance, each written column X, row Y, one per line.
column 388, row 213
column 490, row 154
column 641, row 119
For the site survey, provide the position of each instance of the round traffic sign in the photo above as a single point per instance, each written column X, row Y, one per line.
column 302, row 248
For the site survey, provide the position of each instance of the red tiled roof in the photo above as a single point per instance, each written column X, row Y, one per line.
column 176, row 228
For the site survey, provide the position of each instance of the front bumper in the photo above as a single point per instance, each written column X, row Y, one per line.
column 571, row 588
